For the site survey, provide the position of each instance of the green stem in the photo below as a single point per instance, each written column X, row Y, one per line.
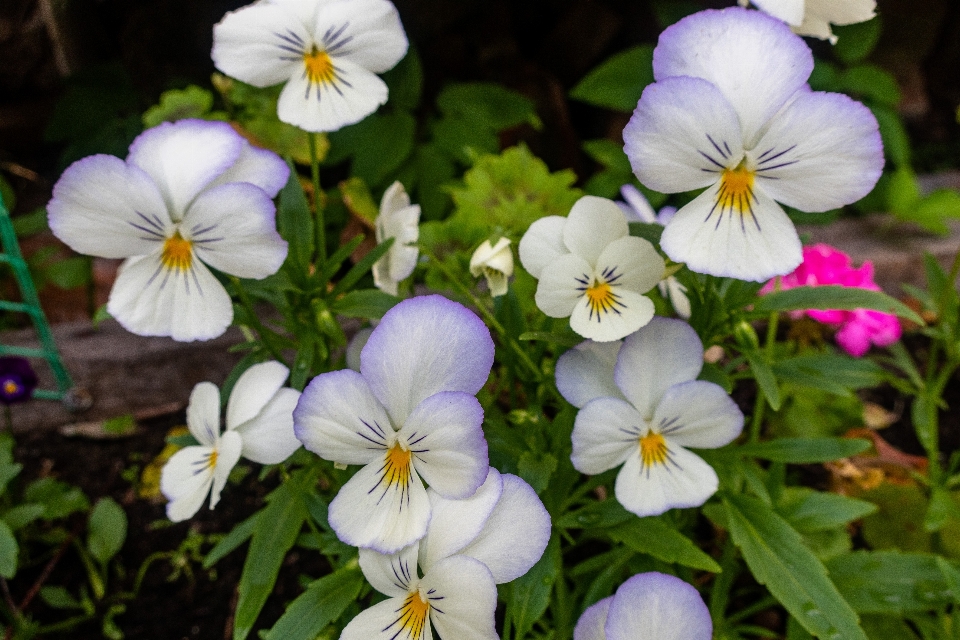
column 760, row 405
column 720, row 594
column 260, row 328
column 318, row 202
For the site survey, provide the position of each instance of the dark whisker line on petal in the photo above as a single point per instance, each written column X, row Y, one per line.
column 153, row 235
column 709, row 159
column 717, row 147
column 779, row 166
column 774, row 157
column 328, row 36
column 289, row 49
column 296, row 42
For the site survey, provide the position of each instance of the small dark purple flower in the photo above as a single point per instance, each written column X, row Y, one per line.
column 17, row 380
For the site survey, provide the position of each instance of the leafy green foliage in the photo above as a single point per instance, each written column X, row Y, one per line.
column 178, row 104
column 323, row 602
column 619, row 81
column 804, row 450
column 834, row 297
column 107, row 529
column 889, row 582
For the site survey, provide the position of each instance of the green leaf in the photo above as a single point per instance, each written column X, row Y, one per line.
column 951, row 577
column 486, row 104
column 618, row 82
column 31, row 223
column 237, row 536
column 70, row 272
column 58, row 498
column 649, row 231
column 804, row 450
column 22, row 515
column 275, row 531
column 903, row 192
column 890, row 582
column 596, row 514
column 59, row 598
column 896, row 142
column 834, row 297
column 107, row 529
column 777, row 557
column 295, row 225
column 856, row 41
column 765, row 379
column 378, row 144
column 365, row 303
column 536, row 469
column 405, row 81
column 530, row 593
column 871, row 82
column 360, row 269
column 660, row 540
column 609, row 154
column 8, row 551
column 836, row 373
column 933, row 211
column 808, row 510
column 177, row 104
column 8, row 468
column 322, row 603
column 562, row 339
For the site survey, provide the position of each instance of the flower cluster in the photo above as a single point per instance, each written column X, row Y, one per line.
column 730, row 112
column 857, row 329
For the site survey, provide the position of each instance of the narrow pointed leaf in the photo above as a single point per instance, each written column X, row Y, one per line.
column 834, row 297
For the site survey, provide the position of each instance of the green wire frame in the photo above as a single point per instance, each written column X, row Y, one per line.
column 31, row 306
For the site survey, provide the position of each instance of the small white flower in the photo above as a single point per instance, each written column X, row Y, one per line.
column 592, row 270
column 645, row 413
column 259, row 428
column 495, row 263
column 471, row 545
column 398, row 219
column 814, row 17
column 328, row 53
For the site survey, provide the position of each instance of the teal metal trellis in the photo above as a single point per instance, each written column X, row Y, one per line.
column 31, row 306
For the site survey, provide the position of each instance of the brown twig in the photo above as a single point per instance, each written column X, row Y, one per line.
column 47, row 570
column 14, row 612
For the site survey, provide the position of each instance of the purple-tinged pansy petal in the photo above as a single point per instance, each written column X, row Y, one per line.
column 365, row 32
column 203, row 413
column 259, row 167
column 455, row 523
column 515, row 535
column 103, row 207
column 184, row 157
column 445, row 436
column 605, row 433
column 593, row 223
column 422, row 346
column 746, row 236
column 150, row 298
column 253, row 390
column 232, row 228
column 656, row 605
column 754, row 59
column 679, row 479
column 659, row 355
column 698, row 414
column 339, row 419
column 542, row 244
column 586, row 372
column 682, row 135
column 591, row 623
column 17, row 380
column 390, row 574
column 822, row 152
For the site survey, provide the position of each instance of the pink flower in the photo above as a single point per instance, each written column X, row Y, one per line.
column 857, row 329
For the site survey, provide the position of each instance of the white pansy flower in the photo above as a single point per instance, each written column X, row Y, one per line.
column 409, row 417
column 490, row 538
column 191, row 195
column 398, row 219
column 591, row 269
column 654, row 410
column 259, row 425
column 495, row 263
column 814, row 17
column 328, row 53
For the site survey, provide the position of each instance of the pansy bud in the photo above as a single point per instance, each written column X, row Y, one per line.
column 495, row 263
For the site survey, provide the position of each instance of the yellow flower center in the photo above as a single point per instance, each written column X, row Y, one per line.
column 212, row 460
column 413, row 616
column 10, row 387
column 601, row 298
column 736, row 190
column 397, row 466
column 653, row 449
column 319, row 67
column 177, row 253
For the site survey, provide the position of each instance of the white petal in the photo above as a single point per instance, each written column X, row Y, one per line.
column 593, row 224
column 698, row 414
column 390, row 574
column 259, row 167
column 339, row 419
column 542, row 244
column 261, row 44
column 253, row 390
column 103, row 207
column 663, row 353
column 354, row 94
column 677, row 294
column 422, row 346
column 268, row 437
column 463, row 599
column 590, row 624
column 789, row 11
column 394, row 199
column 631, row 312
column 638, row 208
column 755, row 245
column 685, row 480
column 185, row 481
column 515, row 535
column 445, row 436
column 682, row 134
column 365, row 32
column 656, row 605
column 562, row 284
column 385, row 621
column 149, row 299
column 846, row 12
column 606, row 432
column 184, row 157
column 232, row 229
column 455, row 523
column 399, row 220
column 822, row 152
column 228, row 453
column 377, row 510
column 586, row 372
column 631, row 263
column 755, row 60
column 203, row 413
